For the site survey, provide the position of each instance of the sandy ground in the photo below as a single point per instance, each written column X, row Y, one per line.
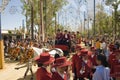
column 9, row 73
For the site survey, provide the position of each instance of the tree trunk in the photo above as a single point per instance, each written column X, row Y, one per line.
column 41, row 21
column 32, row 23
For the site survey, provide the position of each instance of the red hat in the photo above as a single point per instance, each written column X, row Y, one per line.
column 92, row 48
column 61, row 62
column 44, row 58
column 84, row 52
column 78, row 47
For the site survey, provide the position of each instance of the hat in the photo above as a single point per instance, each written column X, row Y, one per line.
column 78, row 47
column 61, row 62
column 84, row 52
column 44, row 58
column 92, row 48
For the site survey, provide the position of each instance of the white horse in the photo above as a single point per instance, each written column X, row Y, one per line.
column 52, row 52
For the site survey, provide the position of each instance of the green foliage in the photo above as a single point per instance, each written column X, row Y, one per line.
column 9, row 31
column 109, row 2
column 49, row 12
column 104, row 22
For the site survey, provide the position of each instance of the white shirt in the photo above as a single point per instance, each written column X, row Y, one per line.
column 103, row 45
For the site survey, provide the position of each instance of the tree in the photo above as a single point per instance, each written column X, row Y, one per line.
column 104, row 22
column 109, row 2
column 52, row 7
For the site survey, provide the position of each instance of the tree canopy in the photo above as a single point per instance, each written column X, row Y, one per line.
column 51, row 7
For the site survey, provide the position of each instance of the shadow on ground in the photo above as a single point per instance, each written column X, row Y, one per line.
column 28, row 77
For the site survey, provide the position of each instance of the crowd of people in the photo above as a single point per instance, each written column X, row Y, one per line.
column 83, row 65
column 99, row 59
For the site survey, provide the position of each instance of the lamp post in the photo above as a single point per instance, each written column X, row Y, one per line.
column 89, row 19
column 94, row 20
column 88, row 27
column 84, row 21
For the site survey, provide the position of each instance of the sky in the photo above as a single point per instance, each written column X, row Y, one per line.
column 75, row 13
column 12, row 16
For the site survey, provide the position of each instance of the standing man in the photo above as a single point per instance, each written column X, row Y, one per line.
column 66, row 38
column 59, row 36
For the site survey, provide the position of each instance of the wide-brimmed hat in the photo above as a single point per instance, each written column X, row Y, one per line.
column 44, row 58
column 62, row 62
column 78, row 47
column 84, row 52
column 92, row 48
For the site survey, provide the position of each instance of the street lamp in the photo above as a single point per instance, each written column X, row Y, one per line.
column 89, row 19
column 94, row 20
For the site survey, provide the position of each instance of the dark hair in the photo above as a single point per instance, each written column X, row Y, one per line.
column 58, row 29
column 102, row 58
column 57, row 56
column 39, row 64
column 65, row 31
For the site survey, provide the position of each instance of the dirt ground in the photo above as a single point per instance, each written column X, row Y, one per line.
column 10, row 73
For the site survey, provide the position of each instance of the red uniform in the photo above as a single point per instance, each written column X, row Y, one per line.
column 93, row 59
column 59, row 36
column 66, row 37
column 57, row 76
column 42, row 74
column 111, row 61
column 77, row 65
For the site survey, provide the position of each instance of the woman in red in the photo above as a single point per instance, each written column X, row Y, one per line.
column 44, row 63
column 81, row 65
column 61, row 65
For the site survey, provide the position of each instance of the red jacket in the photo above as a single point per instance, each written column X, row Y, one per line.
column 66, row 38
column 93, row 60
column 56, row 76
column 42, row 74
column 59, row 36
column 114, row 63
column 111, row 58
column 77, row 65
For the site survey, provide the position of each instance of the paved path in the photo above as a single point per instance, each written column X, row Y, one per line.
column 9, row 73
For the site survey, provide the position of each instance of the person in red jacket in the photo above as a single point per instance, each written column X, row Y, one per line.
column 61, row 65
column 59, row 37
column 44, row 63
column 92, row 56
column 115, row 63
column 81, row 65
column 66, row 38
column 76, row 59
